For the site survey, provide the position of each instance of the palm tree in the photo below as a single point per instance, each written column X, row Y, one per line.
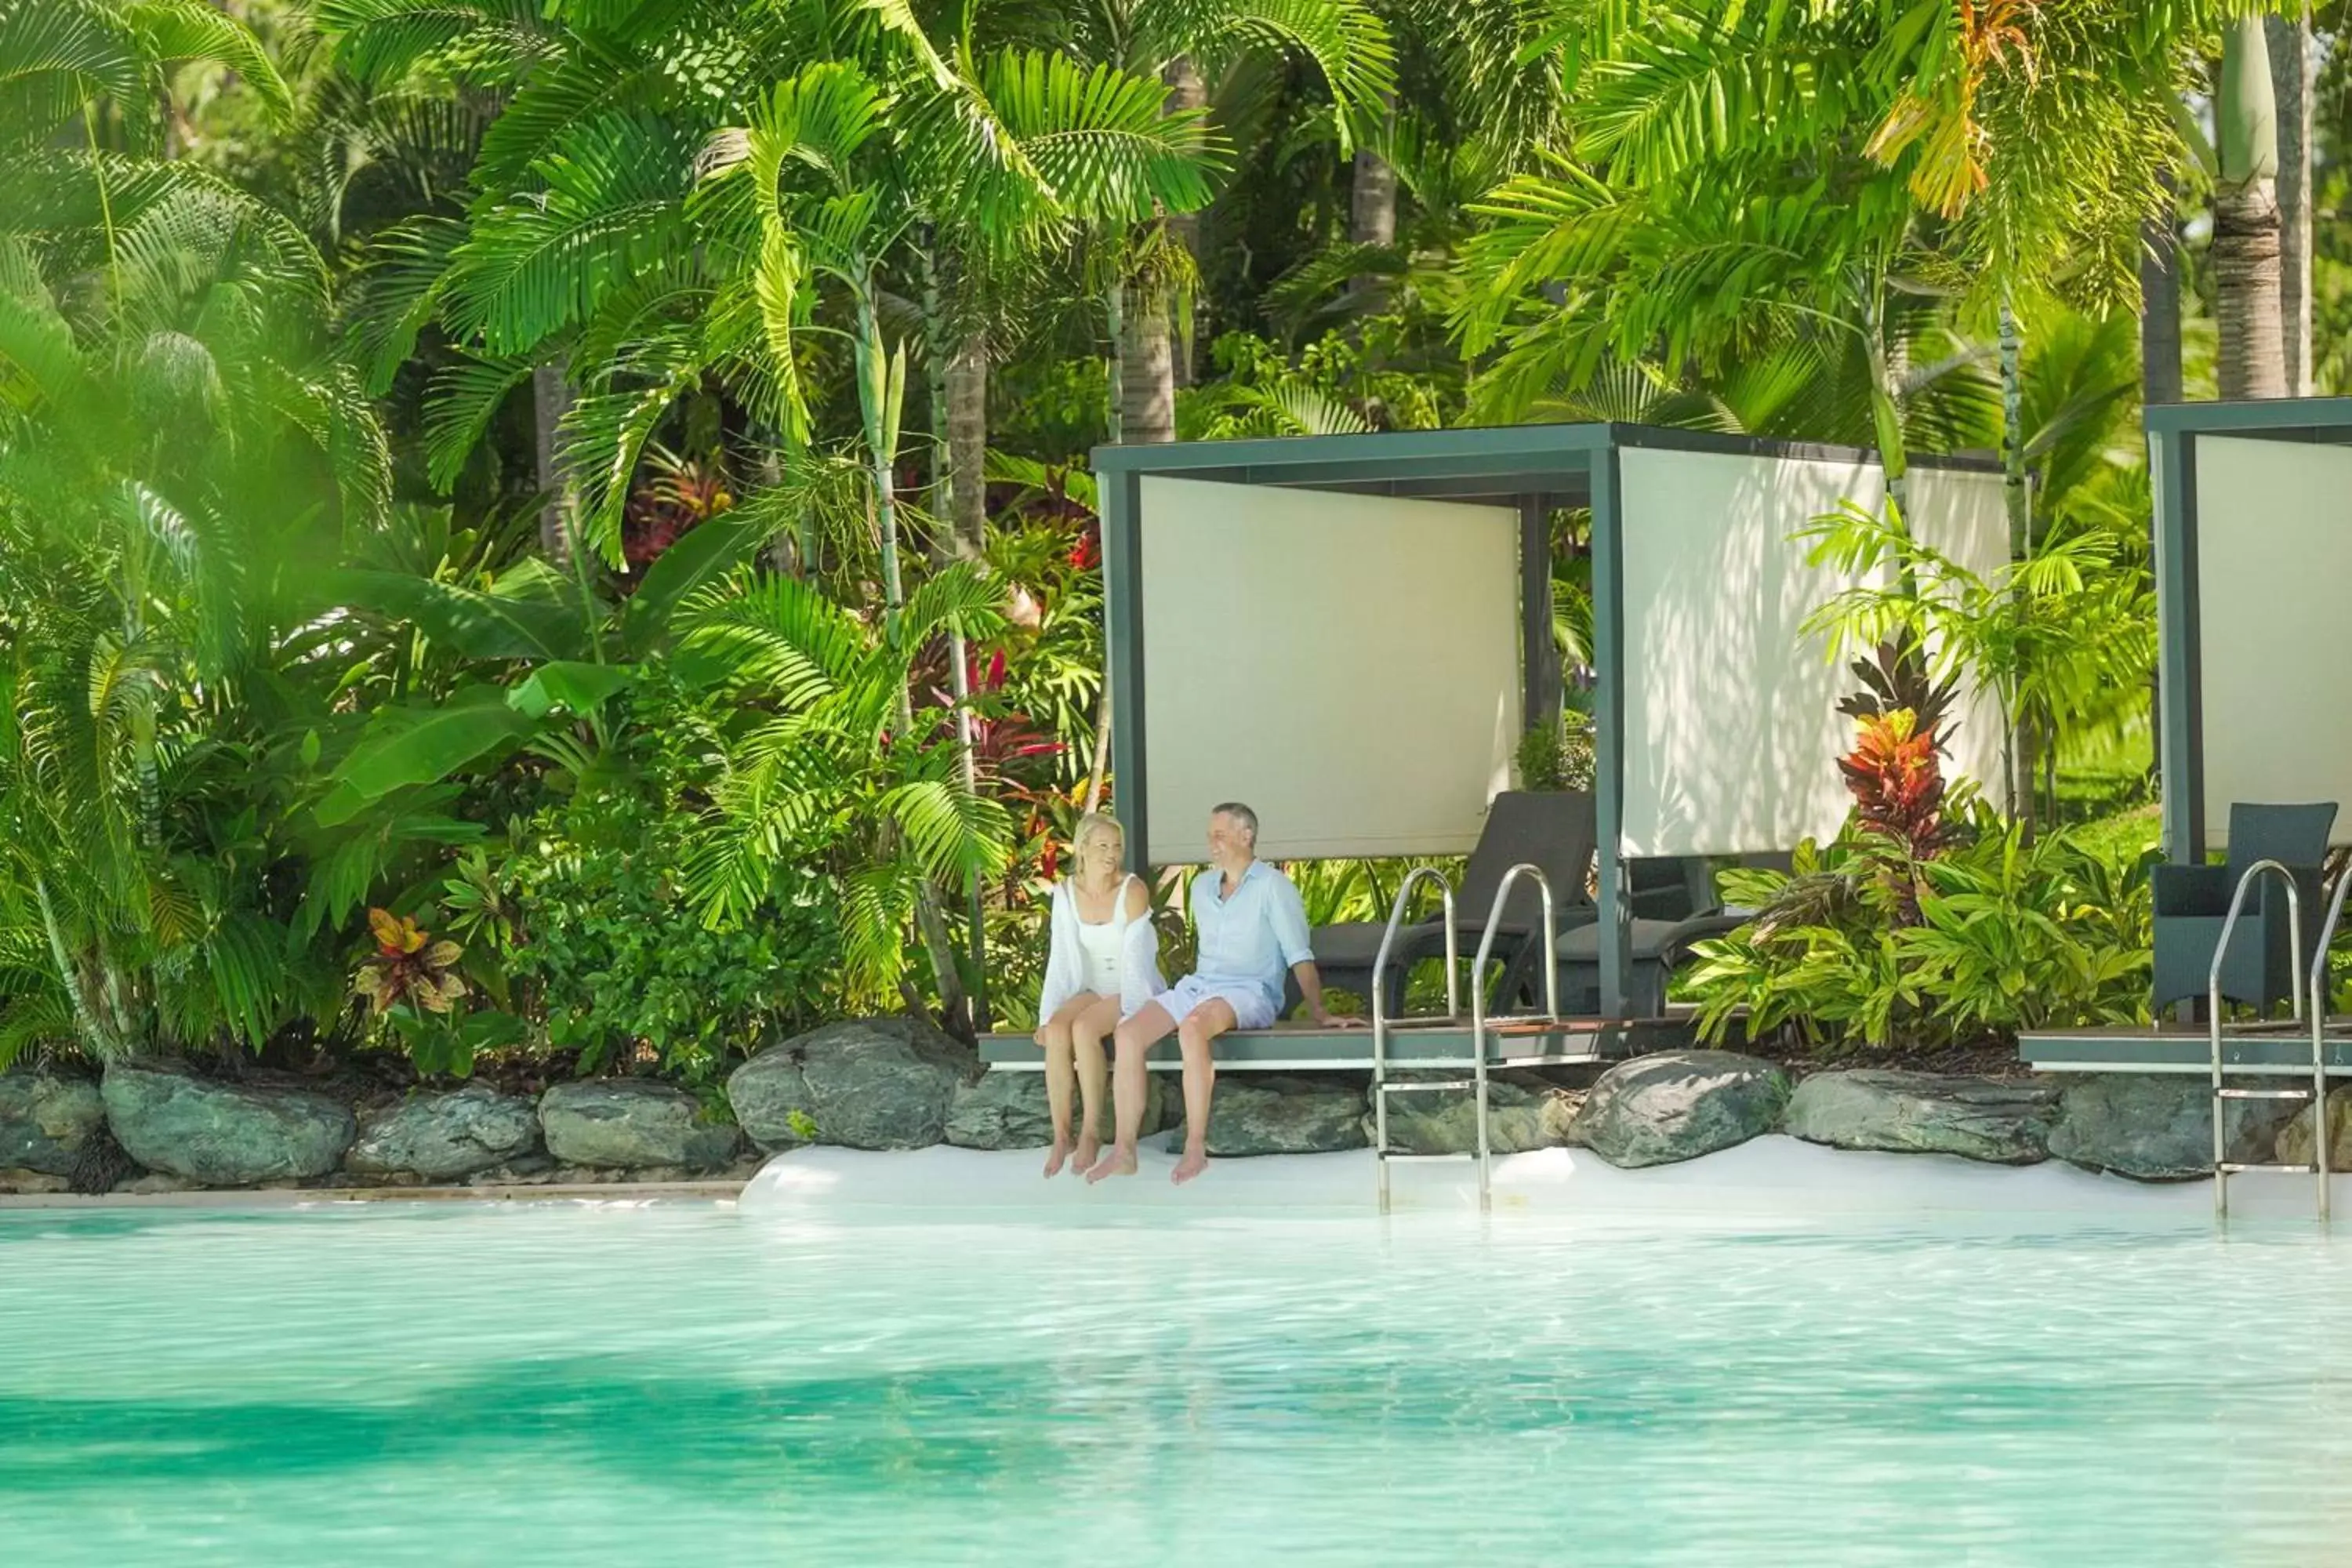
column 704, row 234
column 1721, row 193
column 1147, row 270
column 2041, row 137
column 828, row 764
column 177, row 456
column 2253, row 360
column 2288, row 40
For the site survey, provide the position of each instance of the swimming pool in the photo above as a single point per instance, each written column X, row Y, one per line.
column 371, row 1384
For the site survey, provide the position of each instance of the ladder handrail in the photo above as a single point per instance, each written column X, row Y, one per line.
column 1478, row 1000
column 2320, row 1130
column 1486, row 944
column 2230, row 924
column 1380, row 1010
column 2213, row 1010
column 1387, row 941
column 2318, row 973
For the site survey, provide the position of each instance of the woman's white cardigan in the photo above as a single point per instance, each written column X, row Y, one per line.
column 1065, row 962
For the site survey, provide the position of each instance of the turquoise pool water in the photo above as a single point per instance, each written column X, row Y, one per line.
column 690, row 1385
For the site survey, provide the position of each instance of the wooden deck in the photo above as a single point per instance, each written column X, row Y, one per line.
column 1415, row 1043
column 2271, row 1048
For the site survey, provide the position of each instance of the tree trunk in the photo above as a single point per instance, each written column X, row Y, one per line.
column 550, row 400
column 1099, row 768
column 784, row 553
column 1371, row 208
column 959, row 381
column 2018, row 501
column 1115, row 371
column 2289, row 42
column 1372, row 200
column 2159, row 368
column 2253, row 358
column 1185, row 91
column 2159, row 307
column 1147, row 376
column 1886, row 410
column 880, row 388
column 967, row 509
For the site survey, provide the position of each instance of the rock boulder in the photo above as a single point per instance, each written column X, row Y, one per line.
column 627, row 1123
column 1925, row 1113
column 1008, row 1111
column 222, row 1134
column 1283, row 1116
column 1679, row 1105
column 1519, row 1116
column 2294, row 1143
column 863, row 1083
column 445, row 1137
column 45, row 1122
column 2156, row 1127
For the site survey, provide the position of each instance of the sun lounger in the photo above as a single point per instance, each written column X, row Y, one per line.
column 1552, row 829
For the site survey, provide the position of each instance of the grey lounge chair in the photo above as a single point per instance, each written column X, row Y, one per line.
column 2191, row 902
column 1666, row 921
column 1669, row 888
column 1552, row 829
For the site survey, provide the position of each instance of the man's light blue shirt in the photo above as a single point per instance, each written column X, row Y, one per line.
column 1253, row 937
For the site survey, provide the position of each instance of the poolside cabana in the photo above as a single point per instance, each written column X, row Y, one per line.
column 1353, row 632
column 2253, row 543
column 2253, row 546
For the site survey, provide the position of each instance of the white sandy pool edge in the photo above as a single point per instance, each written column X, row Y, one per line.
column 1774, row 1175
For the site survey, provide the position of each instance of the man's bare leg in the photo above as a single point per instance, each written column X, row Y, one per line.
column 1200, row 1026
column 1134, row 1038
column 1094, row 1073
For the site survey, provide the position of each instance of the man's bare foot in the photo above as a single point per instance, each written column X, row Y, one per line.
column 1089, row 1150
column 1059, row 1155
column 1118, row 1162
column 1194, row 1162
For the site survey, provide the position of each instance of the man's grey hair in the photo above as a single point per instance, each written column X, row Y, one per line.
column 1241, row 814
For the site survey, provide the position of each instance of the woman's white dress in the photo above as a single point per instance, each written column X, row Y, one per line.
column 1119, row 958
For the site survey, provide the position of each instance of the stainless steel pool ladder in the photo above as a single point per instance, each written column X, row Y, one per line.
column 1383, row 1086
column 2316, row 1095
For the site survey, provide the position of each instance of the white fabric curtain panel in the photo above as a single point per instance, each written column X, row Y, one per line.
column 1346, row 665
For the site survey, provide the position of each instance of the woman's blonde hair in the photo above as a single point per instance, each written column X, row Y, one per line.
column 1096, row 821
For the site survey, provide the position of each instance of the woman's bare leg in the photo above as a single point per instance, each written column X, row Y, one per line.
column 1126, row 1088
column 1059, row 1076
column 1087, row 1034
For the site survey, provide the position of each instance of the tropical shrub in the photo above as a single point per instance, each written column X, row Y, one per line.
column 1557, row 756
column 825, row 760
column 180, row 453
column 2006, row 934
column 611, row 954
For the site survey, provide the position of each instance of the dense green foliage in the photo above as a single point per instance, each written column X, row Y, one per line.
column 1864, row 945
column 602, row 481
column 606, row 946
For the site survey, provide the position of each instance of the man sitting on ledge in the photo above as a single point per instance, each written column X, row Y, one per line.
column 1252, row 927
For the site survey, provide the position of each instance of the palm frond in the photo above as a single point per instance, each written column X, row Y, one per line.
column 466, row 397
column 55, row 57
column 381, row 39
column 175, row 31
column 534, row 265
column 399, row 293
column 955, row 834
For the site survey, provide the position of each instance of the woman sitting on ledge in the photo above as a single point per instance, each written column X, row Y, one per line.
column 1103, row 964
